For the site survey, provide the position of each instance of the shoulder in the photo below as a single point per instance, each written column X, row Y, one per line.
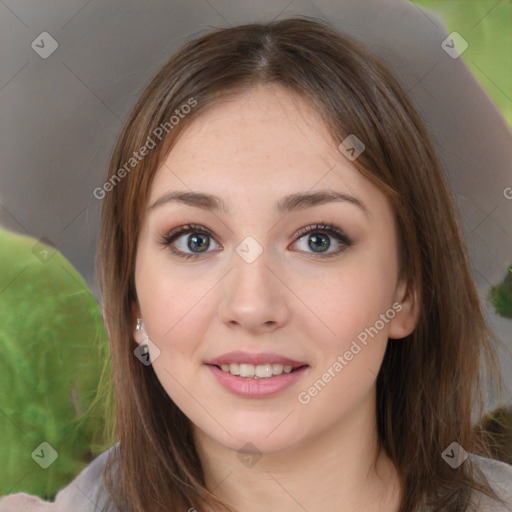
column 499, row 476
column 84, row 494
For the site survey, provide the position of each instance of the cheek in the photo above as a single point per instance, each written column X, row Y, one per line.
column 352, row 298
column 174, row 304
column 354, row 337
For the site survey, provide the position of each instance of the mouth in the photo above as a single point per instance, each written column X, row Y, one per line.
column 251, row 366
column 256, row 375
column 259, row 371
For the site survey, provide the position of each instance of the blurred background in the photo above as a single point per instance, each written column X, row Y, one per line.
column 71, row 70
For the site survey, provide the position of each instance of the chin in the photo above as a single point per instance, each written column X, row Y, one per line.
column 259, row 441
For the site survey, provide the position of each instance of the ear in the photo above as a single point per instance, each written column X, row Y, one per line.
column 406, row 306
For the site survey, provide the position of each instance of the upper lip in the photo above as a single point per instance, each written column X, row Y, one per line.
column 239, row 356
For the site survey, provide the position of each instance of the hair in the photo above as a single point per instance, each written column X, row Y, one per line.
column 429, row 382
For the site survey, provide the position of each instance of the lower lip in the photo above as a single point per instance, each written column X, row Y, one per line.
column 257, row 388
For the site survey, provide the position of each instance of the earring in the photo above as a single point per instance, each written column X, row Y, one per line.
column 143, row 341
column 140, row 334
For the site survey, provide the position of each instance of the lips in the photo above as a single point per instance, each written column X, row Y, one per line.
column 240, row 357
column 257, row 387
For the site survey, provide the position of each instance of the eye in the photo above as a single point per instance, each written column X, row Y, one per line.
column 318, row 238
column 192, row 240
column 198, row 240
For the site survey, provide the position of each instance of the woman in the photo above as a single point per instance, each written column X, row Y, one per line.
column 292, row 318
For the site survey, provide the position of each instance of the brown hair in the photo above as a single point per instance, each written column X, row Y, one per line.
column 429, row 382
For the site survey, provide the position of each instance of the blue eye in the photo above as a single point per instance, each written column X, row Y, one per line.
column 318, row 238
column 199, row 238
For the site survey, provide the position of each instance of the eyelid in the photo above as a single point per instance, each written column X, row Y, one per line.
column 187, row 228
column 325, row 227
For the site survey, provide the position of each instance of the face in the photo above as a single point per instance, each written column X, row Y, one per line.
column 268, row 283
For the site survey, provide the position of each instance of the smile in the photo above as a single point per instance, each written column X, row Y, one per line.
column 260, row 371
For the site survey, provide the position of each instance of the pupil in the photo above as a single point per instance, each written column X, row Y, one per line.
column 195, row 242
column 319, row 241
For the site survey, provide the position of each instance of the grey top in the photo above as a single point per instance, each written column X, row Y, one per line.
column 87, row 494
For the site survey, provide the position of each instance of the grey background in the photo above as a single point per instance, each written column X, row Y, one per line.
column 60, row 116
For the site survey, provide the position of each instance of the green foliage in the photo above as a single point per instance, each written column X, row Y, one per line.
column 501, row 295
column 486, row 26
column 54, row 347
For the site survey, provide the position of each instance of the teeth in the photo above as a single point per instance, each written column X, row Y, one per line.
column 260, row 371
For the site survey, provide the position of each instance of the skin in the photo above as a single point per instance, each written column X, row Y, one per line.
column 251, row 151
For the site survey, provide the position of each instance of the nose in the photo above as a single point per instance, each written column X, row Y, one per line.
column 254, row 297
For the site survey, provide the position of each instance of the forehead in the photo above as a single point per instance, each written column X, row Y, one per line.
column 265, row 142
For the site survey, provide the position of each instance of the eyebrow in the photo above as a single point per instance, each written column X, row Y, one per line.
column 287, row 204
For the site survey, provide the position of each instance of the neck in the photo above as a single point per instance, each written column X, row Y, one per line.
column 340, row 469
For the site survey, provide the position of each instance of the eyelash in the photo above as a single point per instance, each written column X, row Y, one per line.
column 323, row 227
